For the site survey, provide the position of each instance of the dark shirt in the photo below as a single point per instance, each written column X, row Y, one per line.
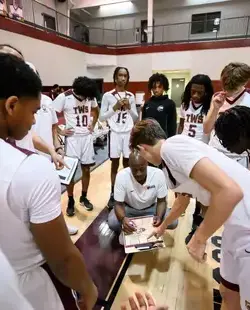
column 163, row 110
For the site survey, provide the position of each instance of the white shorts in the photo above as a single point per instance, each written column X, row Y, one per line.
column 81, row 147
column 235, row 271
column 39, row 290
column 119, row 144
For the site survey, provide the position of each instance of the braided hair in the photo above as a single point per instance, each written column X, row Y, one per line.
column 233, row 126
column 200, row 79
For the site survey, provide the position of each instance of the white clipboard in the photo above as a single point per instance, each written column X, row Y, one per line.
column 66, row 174
column 137, row 241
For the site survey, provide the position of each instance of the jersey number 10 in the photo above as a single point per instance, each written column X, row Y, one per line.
column 82, row 120
column 122, row 116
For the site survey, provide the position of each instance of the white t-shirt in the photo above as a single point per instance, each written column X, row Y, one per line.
column 181, row 153
column 45, row 118
column 10, row 295
column 77, row 112
column 193, row 122
column 138, row 196
column 30, row 192
column 120, row 121
column 242, row 100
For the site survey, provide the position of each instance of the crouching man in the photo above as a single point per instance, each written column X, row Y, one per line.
column 139, row 190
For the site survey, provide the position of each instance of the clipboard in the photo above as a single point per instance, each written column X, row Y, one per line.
column 137, row 241
column 66, row 174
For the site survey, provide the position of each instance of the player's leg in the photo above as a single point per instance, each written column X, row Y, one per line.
column 87, row 160
column 231, row 299
column 72, row 149
column 114, row 155
column 125, row 149
column 197, row 220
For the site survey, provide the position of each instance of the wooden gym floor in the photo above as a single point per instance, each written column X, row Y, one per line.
column 170, row 274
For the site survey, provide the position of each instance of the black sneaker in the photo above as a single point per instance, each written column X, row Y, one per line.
column 71, row 208
column 111, row 202
column 86, row 203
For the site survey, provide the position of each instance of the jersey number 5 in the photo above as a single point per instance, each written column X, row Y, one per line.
column 192, row 130
column 82, row 120
column 121, row 117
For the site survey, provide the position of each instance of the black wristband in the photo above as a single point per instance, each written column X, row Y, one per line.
column 58, row 148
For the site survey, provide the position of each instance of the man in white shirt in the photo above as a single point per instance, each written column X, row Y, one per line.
column 140, row 190
column 118, row 108
column 196, row 169
column 30, row 199
column 78, row 105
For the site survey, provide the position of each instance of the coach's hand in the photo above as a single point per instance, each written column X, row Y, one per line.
column 218, row 100
column 157, row 220
column 118, row 105
column 197, row 249
column 61, row 152
column 128, row 226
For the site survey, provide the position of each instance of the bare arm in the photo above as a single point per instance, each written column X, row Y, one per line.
column 95, row 113
column 120, row 210
column 225, row 195
column 56, row 141
column 63, row 257
column 41, row 145
column 178, row 208
column 181, row 126
column 210, row 119
column 216, row 103
column 161, row 207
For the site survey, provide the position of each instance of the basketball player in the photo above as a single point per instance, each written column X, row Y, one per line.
column 30, row 194
column 196, row 169
column 159, row 106
column 234, row 77
column 118, row 108
column 196, row 102
column 78, row 104
column 238, row 139
column 139, row 190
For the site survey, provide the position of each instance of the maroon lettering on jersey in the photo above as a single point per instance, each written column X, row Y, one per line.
column 76, row 110
column 68, row 92
column 200, row 119
column 193, row 118
column 188, row 117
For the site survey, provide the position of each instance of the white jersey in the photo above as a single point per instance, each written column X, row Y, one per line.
column 30, row 192
column 77, row 112
column 27, row 142
column 242, row 100
column 193, row 122
column 119, row 121
column 138, row 196
column 11, row 297
column 181, row 153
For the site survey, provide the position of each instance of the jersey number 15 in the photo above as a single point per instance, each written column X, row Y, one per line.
column 122, row 116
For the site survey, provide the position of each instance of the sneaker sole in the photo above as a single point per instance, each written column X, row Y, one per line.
column 83, row 205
